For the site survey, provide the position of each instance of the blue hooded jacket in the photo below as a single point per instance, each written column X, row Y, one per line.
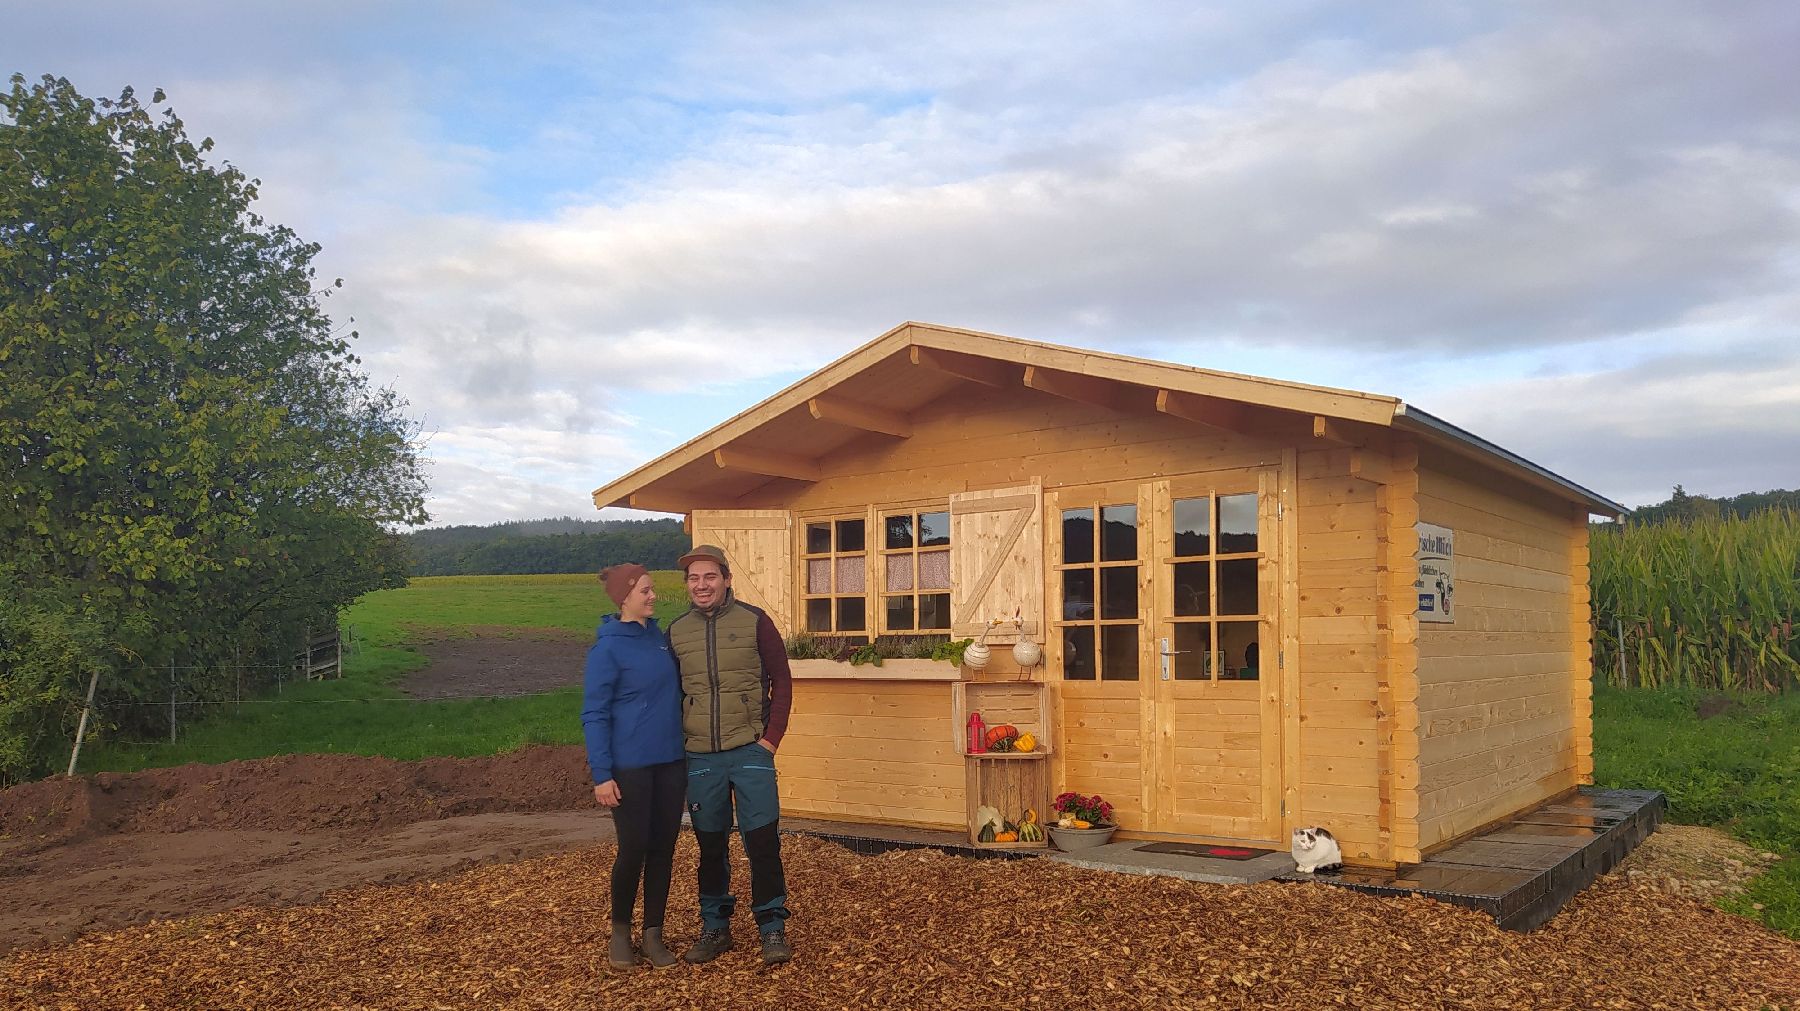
column 631, row 706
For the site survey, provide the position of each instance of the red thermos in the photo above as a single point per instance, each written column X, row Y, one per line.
column 977, row 734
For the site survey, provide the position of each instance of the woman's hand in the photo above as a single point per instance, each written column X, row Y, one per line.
column 607, row 793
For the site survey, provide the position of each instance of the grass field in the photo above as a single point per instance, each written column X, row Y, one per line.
column 1737, row 768
column 363, row 713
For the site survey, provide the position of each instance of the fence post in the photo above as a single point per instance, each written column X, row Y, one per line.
column 171, row 700
column 1619, row 637
column 81, row 728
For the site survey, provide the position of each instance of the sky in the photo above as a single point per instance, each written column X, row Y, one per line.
column 575, row 235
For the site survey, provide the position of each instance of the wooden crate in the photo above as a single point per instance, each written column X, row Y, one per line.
column 1011, row 783
column 1024, row 704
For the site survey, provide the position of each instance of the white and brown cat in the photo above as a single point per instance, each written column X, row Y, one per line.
column 1316, row 850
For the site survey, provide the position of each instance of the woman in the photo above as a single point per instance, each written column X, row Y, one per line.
column 631, row 715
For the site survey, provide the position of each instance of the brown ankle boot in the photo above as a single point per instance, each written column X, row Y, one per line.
column 659, row 956
column 619, row 954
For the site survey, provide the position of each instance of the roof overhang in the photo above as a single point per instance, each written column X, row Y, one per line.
column 874, row 390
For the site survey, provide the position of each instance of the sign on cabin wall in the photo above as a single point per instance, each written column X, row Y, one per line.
column 1436, row 584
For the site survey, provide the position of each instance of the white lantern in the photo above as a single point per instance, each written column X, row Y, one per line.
column 975, row 657
column 1026, row 653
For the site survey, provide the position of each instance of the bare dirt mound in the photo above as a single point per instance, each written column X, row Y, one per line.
column 114, row 849
column 293, row 793
column 496, row 661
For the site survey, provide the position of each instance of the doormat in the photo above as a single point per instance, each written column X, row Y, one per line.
column 1207, row 850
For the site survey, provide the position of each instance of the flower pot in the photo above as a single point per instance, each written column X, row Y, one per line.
column 1071, row 839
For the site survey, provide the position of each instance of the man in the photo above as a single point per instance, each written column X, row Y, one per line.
column 736, row 691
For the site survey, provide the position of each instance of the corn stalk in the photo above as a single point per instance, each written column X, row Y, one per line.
column 1705, row 603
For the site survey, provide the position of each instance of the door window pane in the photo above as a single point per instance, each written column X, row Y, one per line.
column 1239, row 652
column 818, row 538
column 934, row 529
column 899, row 573
column 1078, row 653
column 1118, row 533
column 850, row 535
column 1078, row 536
column 1193, row 646
column 934, row 610
column 1119, row 592
column 818, row 575
column 934, row 570
column 851, row 615
column 1193, row 527
column 899, row 614
column 1118, row 652
column 1078, row 595
column 899, row 532
column 1237, row 586
column 1237, row 523
column 818, row 615
column 1192, row 594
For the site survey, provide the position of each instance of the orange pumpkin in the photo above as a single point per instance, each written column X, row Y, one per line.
column 996, row 734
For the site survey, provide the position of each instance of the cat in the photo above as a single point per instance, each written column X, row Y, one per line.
column 1316, row 850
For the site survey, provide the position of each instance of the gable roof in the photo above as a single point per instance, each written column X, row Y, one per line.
column 876, row 387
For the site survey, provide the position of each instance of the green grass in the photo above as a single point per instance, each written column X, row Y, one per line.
column 364, row 713
column 1738, row 770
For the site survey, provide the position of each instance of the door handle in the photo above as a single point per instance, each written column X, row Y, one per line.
column 1165, row 652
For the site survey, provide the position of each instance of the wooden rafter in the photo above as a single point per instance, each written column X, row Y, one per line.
column 1328, row 430
column 672, row 500
column 1209, row 411
column 1072, row 386
column 853, row 415
column 974, row 368
column 766, row 463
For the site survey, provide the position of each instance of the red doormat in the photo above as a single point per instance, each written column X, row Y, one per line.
column 1204, row 850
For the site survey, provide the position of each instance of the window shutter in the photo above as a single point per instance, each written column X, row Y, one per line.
column 996, row 560
column 759, row 543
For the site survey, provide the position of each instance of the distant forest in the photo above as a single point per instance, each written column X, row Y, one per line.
column 1682, row 506
column 565, row 544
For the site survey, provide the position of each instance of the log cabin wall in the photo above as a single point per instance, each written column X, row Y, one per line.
column 1340, row 769
column 886, row 752
column 1502, row 700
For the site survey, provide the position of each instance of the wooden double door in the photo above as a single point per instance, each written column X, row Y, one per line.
column 1165, row 600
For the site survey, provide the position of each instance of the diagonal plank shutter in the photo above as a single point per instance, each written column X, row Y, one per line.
column 996, row 560
column 759, row 544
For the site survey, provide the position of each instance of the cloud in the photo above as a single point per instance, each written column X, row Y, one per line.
column 565, row 226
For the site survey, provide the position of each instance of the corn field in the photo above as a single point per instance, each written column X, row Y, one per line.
column 1705, row 603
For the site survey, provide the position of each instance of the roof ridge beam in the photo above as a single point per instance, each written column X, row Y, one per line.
column 1074, row 386
column 767, row 463
column 863, row 416
column 974, row 368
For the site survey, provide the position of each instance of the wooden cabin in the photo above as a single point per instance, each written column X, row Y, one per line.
column 1260, row 604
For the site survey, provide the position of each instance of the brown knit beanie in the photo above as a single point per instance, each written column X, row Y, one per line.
column 619, row 580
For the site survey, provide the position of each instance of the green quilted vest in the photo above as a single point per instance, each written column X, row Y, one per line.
column 722, row 688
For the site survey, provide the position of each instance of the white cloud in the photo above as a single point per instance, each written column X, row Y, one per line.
column 552, row 231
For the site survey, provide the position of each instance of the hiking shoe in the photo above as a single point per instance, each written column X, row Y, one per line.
column 775, row 948
column 711, row 945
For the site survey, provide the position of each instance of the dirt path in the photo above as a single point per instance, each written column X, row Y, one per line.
column 110, row 850
column 56, row 894
column 498, row 661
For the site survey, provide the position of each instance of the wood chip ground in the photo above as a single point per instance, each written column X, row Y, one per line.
column 922, row 929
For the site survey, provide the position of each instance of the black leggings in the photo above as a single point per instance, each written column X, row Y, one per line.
column 647, row 822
